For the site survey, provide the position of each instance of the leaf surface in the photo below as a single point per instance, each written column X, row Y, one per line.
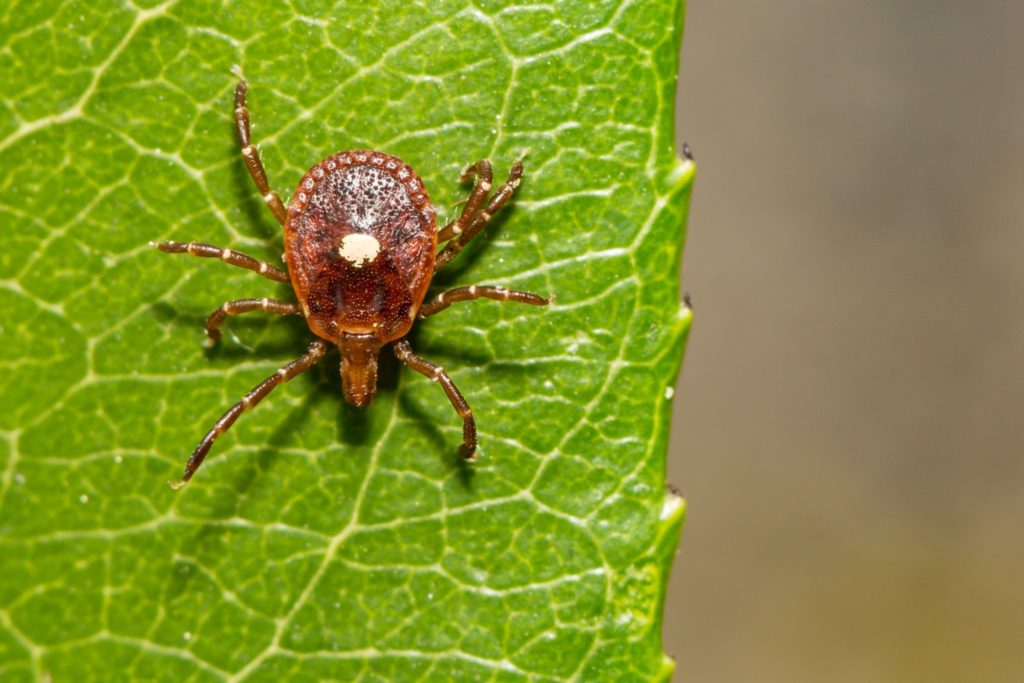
column 321, row 541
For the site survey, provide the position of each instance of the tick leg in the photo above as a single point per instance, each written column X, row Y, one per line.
column 437, row 373
column 484, row 177
column 446, row 299
column 235, row 258
column 316, row 351
column 237, row 306
column 252, row 155
column 482, row 216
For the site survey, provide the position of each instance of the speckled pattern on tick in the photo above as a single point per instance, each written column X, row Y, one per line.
column 361, row 247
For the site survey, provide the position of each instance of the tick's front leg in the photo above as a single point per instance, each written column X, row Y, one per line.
column 316, row 351
column 437, row 374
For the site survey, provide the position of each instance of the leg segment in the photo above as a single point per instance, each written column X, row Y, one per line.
column 446, row 299
column 484, row 177
column 252, row 156
column 437, row 373
column 237, row 306
column 235, row 258
column 482, row 216
column 316, row 351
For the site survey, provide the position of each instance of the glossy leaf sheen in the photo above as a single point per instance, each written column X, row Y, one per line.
column 322, row 541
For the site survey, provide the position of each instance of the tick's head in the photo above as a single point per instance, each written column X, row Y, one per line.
column 359, row 367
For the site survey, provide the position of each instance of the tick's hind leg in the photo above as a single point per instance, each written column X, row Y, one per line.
column 252, row 155
column 446, row 299
column 437, row 374
column 482, row 216
column 484, row 177
column 316, row 351
column 237, row 306
column 230, row 256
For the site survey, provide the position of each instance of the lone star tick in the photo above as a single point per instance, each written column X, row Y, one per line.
column 361, row 244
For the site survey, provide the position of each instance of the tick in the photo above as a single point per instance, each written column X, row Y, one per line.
column 361, row 247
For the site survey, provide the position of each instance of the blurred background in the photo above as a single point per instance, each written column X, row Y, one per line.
column 849, row 423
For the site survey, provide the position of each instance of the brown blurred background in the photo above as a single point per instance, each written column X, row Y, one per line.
column 850, row 417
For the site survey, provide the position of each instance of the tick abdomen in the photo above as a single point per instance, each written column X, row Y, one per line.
column 360, row 242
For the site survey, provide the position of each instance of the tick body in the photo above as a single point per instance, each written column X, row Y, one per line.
column 360, row 240
column 361, row 247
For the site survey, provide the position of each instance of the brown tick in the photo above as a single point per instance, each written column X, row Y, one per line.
column 360, row 239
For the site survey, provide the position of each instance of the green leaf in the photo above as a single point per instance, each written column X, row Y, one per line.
column 321, row 541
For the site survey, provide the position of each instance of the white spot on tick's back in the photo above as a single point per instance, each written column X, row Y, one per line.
column 359, row 249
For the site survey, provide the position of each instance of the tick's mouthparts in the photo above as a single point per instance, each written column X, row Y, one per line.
column 359, row 367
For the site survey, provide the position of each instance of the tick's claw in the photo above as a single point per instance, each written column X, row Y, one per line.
column 176, row 484
column 468, row 454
